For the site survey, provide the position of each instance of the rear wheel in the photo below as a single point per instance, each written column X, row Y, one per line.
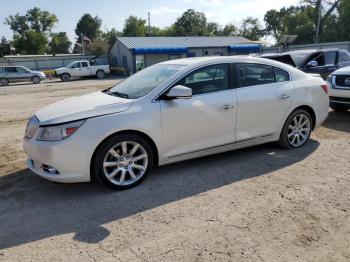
column 123, row 161
column 65, row 77
column 100, row 74
column 36, row 80
column 296, row 130
column 4, row 82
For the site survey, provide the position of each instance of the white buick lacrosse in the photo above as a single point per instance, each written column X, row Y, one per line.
column 173, row 111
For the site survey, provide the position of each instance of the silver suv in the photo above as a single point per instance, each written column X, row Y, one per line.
column 13, row 74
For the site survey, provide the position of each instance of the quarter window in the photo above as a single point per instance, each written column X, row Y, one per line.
column 207, row 80
column 281, row 75
column 255, row 74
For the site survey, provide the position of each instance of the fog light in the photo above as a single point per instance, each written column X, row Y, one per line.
column 49, row 169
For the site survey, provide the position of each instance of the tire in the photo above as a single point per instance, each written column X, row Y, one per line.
column 100, row 74
column 65, row 77
column 340, row 108
column 36, row 80
column 111, row 162
column 297, row 128
column 4, row 82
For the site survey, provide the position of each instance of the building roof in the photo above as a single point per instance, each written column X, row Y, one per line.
column 187, row 41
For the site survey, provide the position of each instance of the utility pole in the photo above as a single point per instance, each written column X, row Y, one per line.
column 318, row 22
column 149, row 24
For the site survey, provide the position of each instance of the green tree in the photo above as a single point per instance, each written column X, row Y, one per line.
column 251, row 29
column 31, row 42
column 191, row 23
column 31, row 30
column 110, row 36
column 134, row 26
column 214, row 29
column 88, row 26
column 343, row 28
column 229, row 30
column 5, row 47
column 59, row 43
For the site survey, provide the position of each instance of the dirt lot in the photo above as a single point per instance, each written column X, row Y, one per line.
column 257, row 204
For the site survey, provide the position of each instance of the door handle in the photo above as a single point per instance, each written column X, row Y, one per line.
column 228, row 107
column 284, row 97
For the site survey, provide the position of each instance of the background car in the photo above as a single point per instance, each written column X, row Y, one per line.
column 14, row 74
column 82, row 68
column 173, row 111
column 339, row 89
column 322, row 62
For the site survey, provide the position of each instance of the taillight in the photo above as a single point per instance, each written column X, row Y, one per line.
column 325, row 88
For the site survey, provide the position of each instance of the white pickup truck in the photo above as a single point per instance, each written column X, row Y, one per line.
column 81, row 68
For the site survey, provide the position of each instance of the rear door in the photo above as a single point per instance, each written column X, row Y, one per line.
column 10, row 73
column 264, row 97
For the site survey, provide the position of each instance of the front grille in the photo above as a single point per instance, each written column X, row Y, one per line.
column 342, row 81
column 32, row 127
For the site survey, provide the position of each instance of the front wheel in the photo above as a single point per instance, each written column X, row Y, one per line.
column 123, row 161
column 36, row 80
column 65, row 77
column 296, row 130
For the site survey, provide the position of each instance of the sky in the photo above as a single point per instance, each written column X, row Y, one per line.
column 163, row 12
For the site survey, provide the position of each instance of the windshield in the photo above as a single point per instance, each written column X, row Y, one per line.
column 143, row 82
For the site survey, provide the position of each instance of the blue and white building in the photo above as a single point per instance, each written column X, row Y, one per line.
column 134, row 53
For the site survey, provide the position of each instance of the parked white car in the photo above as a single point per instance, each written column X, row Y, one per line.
column 82, row 69
column 174, row 111
column 339, row 89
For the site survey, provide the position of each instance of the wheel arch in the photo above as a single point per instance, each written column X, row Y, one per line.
column 135, row 132
column 311, row 111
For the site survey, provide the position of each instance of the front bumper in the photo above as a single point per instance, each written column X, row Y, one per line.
column 71, row 160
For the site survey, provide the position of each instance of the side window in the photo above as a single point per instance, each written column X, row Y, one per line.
column 208, row 79
column 84, row 64
column 281, row 75
column 21, row 70
column 255, row 74
column 76, row 65
column 343, row 57
column 329, row 58
column 10, row 70
column 1, row 69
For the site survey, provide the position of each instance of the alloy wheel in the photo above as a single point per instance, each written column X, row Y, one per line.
column 125, row 163
column 299, row 130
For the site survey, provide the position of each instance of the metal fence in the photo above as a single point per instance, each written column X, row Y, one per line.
column 48, row 61
column 337, row 45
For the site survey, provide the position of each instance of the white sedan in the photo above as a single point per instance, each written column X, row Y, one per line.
column 174, row 111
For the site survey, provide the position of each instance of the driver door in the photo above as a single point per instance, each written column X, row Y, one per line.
column 76, row 69
column 205, row 121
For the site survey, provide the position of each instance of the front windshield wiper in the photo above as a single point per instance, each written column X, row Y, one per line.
column 122, row 95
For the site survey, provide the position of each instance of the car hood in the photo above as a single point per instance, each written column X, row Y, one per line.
column 61, row 68
column 81, row 107
column 342, row 71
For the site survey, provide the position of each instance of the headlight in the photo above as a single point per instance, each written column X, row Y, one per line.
column 58, row 132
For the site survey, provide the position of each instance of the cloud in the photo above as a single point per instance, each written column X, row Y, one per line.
column 166, row 10
column 206, row 2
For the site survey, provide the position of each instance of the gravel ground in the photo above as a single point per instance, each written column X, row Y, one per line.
column 257, row 204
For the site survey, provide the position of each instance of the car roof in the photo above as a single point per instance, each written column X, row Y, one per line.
column 195, row 62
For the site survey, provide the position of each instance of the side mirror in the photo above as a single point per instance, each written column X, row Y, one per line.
column 312, row 63
column 179, row 92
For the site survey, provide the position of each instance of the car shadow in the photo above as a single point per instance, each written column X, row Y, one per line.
column 33, row 209
column 339, row 121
